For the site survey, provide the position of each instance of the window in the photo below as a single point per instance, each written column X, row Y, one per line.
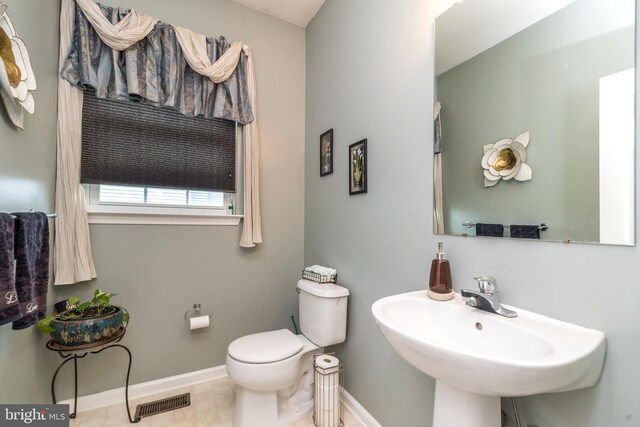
column 119, row 204
column 147, row 196
column 136, row 155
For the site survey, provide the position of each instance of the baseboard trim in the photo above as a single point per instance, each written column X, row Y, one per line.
column 358, row 411
column 164, row 385
column 149, row 388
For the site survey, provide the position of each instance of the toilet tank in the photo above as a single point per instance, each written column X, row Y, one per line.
column 323, row 312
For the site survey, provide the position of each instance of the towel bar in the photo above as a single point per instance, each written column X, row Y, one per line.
column 51, row 215
column 469, row 224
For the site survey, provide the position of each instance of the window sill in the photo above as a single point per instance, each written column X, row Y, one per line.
column 102, row 215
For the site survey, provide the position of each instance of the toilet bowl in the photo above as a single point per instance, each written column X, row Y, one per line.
column 274, row 370
column 265, row 361
column 268, row 369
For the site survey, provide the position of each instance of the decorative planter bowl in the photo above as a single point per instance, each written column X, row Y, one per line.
column 88, row 330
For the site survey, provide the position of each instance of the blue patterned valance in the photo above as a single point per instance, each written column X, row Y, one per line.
column 155, row 70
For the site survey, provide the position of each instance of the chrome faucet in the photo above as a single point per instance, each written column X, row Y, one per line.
column 485, row 298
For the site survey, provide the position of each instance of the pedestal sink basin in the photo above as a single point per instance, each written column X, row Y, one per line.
column 476, row 356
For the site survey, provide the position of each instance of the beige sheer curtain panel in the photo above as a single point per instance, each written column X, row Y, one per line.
column 251, row 226
column 438, row 206
column 130, row 30
column 194, row 48
column 73, row 261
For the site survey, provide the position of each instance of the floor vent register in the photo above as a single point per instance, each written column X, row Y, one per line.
column 163, row 405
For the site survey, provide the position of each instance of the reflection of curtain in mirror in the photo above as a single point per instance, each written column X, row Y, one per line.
column 438, row 213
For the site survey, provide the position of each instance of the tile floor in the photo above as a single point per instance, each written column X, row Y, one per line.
column 211, row 406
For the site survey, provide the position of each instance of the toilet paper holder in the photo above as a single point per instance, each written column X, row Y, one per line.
column 194, row 312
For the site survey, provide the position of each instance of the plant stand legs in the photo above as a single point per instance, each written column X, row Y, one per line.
column 79, row 354
column 75, row 389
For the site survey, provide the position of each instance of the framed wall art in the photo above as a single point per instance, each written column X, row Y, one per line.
column 326, row 153
column 358, row 167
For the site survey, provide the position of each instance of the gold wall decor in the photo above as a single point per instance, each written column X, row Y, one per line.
column 17, row 81
column 505, row 160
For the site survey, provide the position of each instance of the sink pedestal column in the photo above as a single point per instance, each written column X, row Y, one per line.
column 455, row 407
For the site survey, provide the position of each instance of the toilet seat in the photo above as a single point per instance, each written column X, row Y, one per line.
column 265, row 347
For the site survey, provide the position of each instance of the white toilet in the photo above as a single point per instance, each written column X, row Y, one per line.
column 274, row 370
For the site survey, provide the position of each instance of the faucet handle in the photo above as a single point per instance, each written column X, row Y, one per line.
column 487, row 284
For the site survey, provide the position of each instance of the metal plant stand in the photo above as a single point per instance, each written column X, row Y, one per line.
column 78, row 352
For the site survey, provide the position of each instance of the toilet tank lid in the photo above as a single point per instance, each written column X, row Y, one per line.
column 322, row 290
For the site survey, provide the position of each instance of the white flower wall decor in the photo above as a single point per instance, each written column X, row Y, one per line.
column 17, row 81
column 505, row 160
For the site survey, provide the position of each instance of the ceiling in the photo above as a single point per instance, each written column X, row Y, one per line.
column 299, row 12
column 469, row 27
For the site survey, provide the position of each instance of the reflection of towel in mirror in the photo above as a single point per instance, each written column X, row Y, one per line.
column 525, row 231
column 490, row 230
column 9, row 307
column 32, row 266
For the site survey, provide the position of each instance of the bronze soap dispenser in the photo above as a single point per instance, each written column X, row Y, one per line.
column 440, row 283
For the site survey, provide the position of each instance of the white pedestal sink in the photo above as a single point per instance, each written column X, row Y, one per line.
column 476, row 356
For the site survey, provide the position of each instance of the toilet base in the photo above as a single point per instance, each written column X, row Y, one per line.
column 255, row 408
column 267, row 409
column 280, row 407
column 290, row 414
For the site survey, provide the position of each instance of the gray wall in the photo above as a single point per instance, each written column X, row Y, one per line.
column 544, row 80
column 370, row 74
column 27, row 180
column 160, row 271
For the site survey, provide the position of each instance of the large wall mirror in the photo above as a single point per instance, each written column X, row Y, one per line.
column 536, row 120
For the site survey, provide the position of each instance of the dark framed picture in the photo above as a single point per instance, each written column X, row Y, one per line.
column 358, row 167
column 326, row 153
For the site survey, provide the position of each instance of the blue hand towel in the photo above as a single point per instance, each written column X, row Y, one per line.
column 32, row 266
column 525, row 231
column 9, row 307
column 490, row 230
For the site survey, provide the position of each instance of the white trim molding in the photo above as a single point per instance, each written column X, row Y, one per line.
column 358, row 411
column 106, row 217
column 149, row 388
column 165, row 385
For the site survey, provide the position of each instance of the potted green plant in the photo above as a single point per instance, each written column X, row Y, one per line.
column 86, row 323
